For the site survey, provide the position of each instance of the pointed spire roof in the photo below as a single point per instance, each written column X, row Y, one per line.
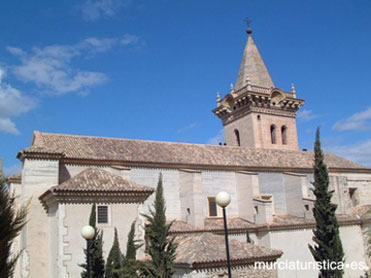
column 253, row 67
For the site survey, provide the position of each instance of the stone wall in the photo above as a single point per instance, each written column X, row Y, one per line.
column 37, row 177
column 273, row 183
column 121, row 216
column 362, row 184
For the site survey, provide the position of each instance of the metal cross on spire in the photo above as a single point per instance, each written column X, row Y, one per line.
column 248, row 22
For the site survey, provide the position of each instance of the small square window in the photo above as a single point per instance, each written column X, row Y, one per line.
column 306, row 207
column 212, row 207
column 102, row 214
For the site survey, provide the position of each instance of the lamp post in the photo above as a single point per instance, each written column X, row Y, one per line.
column 366, row 270
column 88, row 233
column 223, row 199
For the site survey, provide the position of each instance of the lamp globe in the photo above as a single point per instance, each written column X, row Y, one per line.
column 223, row 199
column 88, row 232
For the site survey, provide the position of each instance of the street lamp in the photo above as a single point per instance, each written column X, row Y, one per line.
column 366, row 270
column 223, row 199
column 88, row 233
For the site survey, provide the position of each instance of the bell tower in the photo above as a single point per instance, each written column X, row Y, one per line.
column 254, row 113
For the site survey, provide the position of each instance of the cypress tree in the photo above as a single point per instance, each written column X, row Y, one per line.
column 131, row 246
column 131, row 265
column 96, row 250
column 161, row 246
column 114, row 259
column 11, row 223
column 328, row 247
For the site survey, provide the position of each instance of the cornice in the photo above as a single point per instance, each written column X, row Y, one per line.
column 51, row 197
column 243, row 102
column 234, row 262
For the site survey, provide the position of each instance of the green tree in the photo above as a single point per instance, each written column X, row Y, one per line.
column 114, row 259
column 161, row 246
column 328, row 247
column 11, row 223
column 131, row 265
column 96, row 250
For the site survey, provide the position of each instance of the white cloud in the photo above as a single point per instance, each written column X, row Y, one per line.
column 95, row 9
column 218, row 138
column 129, row 39
column 12, row 103
column 100, row 45
column 306, row 115
column 51, row 69
column 359, row 152
column 186, row 128
column 358, row 121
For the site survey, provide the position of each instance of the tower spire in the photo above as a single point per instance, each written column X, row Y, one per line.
column 253, row 65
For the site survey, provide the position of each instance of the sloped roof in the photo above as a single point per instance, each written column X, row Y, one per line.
column 15, row 178
column 363, row 211
column 208, row 250
column 172, row 154
column 95, row 179
column 292, row 221
column 252, row 64
column 232, row 222
column 280, row 221
column 94, row 184
column 212, row 225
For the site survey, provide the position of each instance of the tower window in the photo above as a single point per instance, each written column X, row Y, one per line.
column 283, row 133
column 273, row 134
column 259, row 117
column 237, row 133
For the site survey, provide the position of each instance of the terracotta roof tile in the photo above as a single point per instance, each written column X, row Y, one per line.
column 212, row 225
column 95, row 179
column 233, row 223
column 206, row 248
column 292, row 220
column 154, row 152
column 363, row 211
column 16, row 178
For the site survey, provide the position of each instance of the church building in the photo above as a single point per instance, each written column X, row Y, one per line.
column 260, row 166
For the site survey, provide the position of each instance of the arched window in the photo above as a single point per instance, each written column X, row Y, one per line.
column 273, row 134
column 237, row 133
column 283, row 134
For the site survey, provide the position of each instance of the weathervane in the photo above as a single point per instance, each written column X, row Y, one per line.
column 248, row 22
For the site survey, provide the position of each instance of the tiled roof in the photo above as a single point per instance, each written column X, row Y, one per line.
column 171, row 153
column 181, row 226
column 233, row 223
column 280, row 221
column 95, row 179
column 363, row 211
column 212, row 225
column 95, row 185
column 16, row 178
column 292, row 220
column 206, row 249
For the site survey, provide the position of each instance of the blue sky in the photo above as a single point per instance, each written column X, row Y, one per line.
column 151, row 69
